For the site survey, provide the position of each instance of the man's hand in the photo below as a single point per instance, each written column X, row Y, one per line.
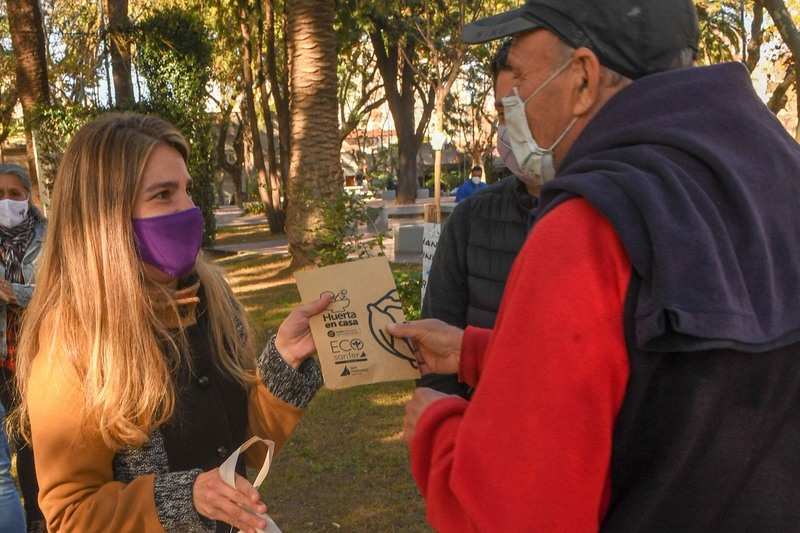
column 438, row 344
column 294, row 341
column 419, row 402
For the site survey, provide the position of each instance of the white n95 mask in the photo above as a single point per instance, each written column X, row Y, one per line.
column 531, row 158
column 13, row 212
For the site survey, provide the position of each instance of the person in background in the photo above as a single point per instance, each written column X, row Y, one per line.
column 22, row 231
column 480, row 241
column 136, row 368
column 12, row 519
column 472, row 185
column 644, row 371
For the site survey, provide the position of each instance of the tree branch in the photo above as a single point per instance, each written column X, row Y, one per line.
column 756, row 36
column 427, row 110
column 355, row 118
column 783, row 21
column 386, row 61
column 780, row 97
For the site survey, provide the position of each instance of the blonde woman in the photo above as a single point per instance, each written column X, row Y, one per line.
column 135, row 368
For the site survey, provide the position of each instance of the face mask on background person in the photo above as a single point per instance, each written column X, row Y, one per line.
column 170, row 242
column 13, row 212
column 531, row 158
column 476, row 179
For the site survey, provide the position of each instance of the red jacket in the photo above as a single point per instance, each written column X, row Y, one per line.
column 531, row 451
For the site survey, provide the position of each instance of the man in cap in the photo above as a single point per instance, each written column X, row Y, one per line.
column 644, row 371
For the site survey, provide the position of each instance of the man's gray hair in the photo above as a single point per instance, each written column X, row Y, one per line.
column 684, row 59
column 18, row 171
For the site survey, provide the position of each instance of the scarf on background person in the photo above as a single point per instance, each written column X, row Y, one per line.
column 14, row 242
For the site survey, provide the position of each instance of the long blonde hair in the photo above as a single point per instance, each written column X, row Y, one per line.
column 93, row 306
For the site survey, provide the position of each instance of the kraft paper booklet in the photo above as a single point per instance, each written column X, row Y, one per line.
column 352, row 342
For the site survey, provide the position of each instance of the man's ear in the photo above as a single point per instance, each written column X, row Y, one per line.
column 586, row 81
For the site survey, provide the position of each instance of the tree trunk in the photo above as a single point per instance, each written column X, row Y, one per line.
column 118, row 24
column 264, row 185
column 752, row 47
column 234, row 170
column 783, row 21
column 315, row 173
column 280, row 97
column 267, row 114
column 402, row 105
column 797, row 103
column 27, row 39
column 7, row 104
column 238, row 148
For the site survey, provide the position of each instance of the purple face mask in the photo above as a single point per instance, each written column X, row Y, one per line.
column 170, row 242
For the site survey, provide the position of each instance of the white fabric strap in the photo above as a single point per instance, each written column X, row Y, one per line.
column 227, row 472
column 228, row 468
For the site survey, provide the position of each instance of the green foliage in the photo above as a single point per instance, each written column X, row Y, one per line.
column 382, row 181
column 253, row 208
column 451, row 179
column 174, row 51
column 174, row 55
column 721, row 30
column 340, row 237
column 76, row 61
column 54, row 126
column 409, row 286
column 384, row 166
column 8, row 79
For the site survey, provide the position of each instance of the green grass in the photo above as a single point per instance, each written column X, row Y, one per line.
column 346, row 467
column 244, row 234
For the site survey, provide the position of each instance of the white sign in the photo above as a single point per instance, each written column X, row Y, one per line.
column 430, row 240
column 438, row 139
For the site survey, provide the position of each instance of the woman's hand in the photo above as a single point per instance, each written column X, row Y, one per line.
column 294, row 341
column 215, row 499
column 6, row 292
column 438, row 344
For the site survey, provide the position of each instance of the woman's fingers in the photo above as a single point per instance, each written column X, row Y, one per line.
column 217, row 500
column 250, row 494
column 244, row 495
column 238, row 517
column 316, row 307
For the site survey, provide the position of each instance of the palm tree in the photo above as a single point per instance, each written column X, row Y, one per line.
column 27, row 39
column 315, row 173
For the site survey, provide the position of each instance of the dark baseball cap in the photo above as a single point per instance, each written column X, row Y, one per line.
column 632, row 37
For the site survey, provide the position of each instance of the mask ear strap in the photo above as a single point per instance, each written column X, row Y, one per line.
column 546, row 82
column 563, row 134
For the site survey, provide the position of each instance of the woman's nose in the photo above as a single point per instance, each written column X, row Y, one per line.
column 186, row 202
